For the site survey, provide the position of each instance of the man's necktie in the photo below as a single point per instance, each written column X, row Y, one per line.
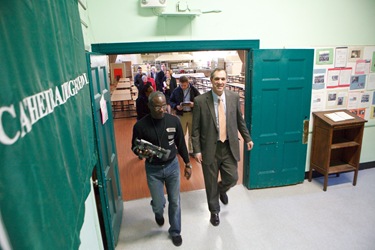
column 222, row 121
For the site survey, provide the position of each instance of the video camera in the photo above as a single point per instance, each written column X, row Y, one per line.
column 148, row 150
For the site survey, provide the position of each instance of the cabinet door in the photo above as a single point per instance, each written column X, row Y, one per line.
column 280, row 102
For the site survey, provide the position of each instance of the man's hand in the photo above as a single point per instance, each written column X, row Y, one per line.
column 198, row 157
column 143, row 153
column 179, row 107
column 188, row 170
column 250, row 145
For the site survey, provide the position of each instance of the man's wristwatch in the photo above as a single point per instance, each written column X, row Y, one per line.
column 188, row 166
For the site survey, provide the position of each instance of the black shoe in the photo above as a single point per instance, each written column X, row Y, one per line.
column 224, row 198
column 215, row 220
column 159, row 221
column 177, row 240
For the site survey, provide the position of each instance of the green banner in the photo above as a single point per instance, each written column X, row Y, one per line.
column 47, row 148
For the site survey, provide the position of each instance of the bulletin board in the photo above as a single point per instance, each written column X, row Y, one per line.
column 344, row 78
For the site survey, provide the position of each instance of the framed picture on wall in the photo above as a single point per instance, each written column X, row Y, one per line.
column 355, row 53
column 324, row 56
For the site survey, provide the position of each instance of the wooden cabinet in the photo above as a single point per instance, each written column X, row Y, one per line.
column 336, row 146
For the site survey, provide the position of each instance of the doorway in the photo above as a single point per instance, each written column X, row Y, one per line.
column 138, row 174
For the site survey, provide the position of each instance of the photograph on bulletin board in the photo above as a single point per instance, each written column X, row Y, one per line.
column 319, row 79
column 373, row 62
column 355, row 53
column 357, row 82
column 361, row 112
column 324, row 56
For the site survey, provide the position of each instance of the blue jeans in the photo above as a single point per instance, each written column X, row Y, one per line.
column 169, row 175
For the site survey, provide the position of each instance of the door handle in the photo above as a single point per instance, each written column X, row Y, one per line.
column 96, row 183
column 305, row 136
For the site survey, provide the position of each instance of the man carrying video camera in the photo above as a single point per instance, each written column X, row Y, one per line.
column 158, row 137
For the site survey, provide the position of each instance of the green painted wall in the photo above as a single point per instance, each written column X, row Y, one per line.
column 275, row 23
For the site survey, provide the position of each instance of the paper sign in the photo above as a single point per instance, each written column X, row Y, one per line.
column 103, row 110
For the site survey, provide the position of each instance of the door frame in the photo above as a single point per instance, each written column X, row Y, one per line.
column 110, row 209
column 199, row 45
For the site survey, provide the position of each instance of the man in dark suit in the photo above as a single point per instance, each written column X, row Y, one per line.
column 218, row 152
column 160, row 78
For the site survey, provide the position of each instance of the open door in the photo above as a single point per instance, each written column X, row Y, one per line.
column 279, row 101
column 108, row 181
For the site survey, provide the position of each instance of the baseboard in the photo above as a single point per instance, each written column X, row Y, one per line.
column 362, row 166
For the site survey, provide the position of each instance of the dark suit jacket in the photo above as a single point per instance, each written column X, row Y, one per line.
column 159, row 80
column 205, row 129
column 177, row 97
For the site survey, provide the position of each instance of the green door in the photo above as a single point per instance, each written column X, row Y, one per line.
column 107, row 171
column 279, row 101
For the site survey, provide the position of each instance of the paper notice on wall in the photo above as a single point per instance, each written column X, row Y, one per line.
column 333, row 78
column 103, row 110
column 362, row 67
column 337, row 98
column 354, row 99
column 317, row 101
column 371, row 81
column 341, row 57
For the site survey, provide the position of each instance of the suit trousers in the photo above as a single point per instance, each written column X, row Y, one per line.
column 226, row 165
column 186, row 121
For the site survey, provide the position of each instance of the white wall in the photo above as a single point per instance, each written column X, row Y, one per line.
column 275, row 23
column 90, row 235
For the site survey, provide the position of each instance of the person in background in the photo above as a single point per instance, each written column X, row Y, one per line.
column 151, row 80
column 217, row 118
column 169, row 84
column 160, row 78
column 142, row 101
column 182, row 101
column 138, row 77
column 153, row 73
column 145, row 80
column 165, row 131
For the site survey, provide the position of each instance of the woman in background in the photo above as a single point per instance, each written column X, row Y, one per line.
column 170, row 84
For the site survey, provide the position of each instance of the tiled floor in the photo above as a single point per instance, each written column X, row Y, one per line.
column 299, row 217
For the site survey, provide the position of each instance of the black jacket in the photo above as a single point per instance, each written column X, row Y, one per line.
column 166, row 133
